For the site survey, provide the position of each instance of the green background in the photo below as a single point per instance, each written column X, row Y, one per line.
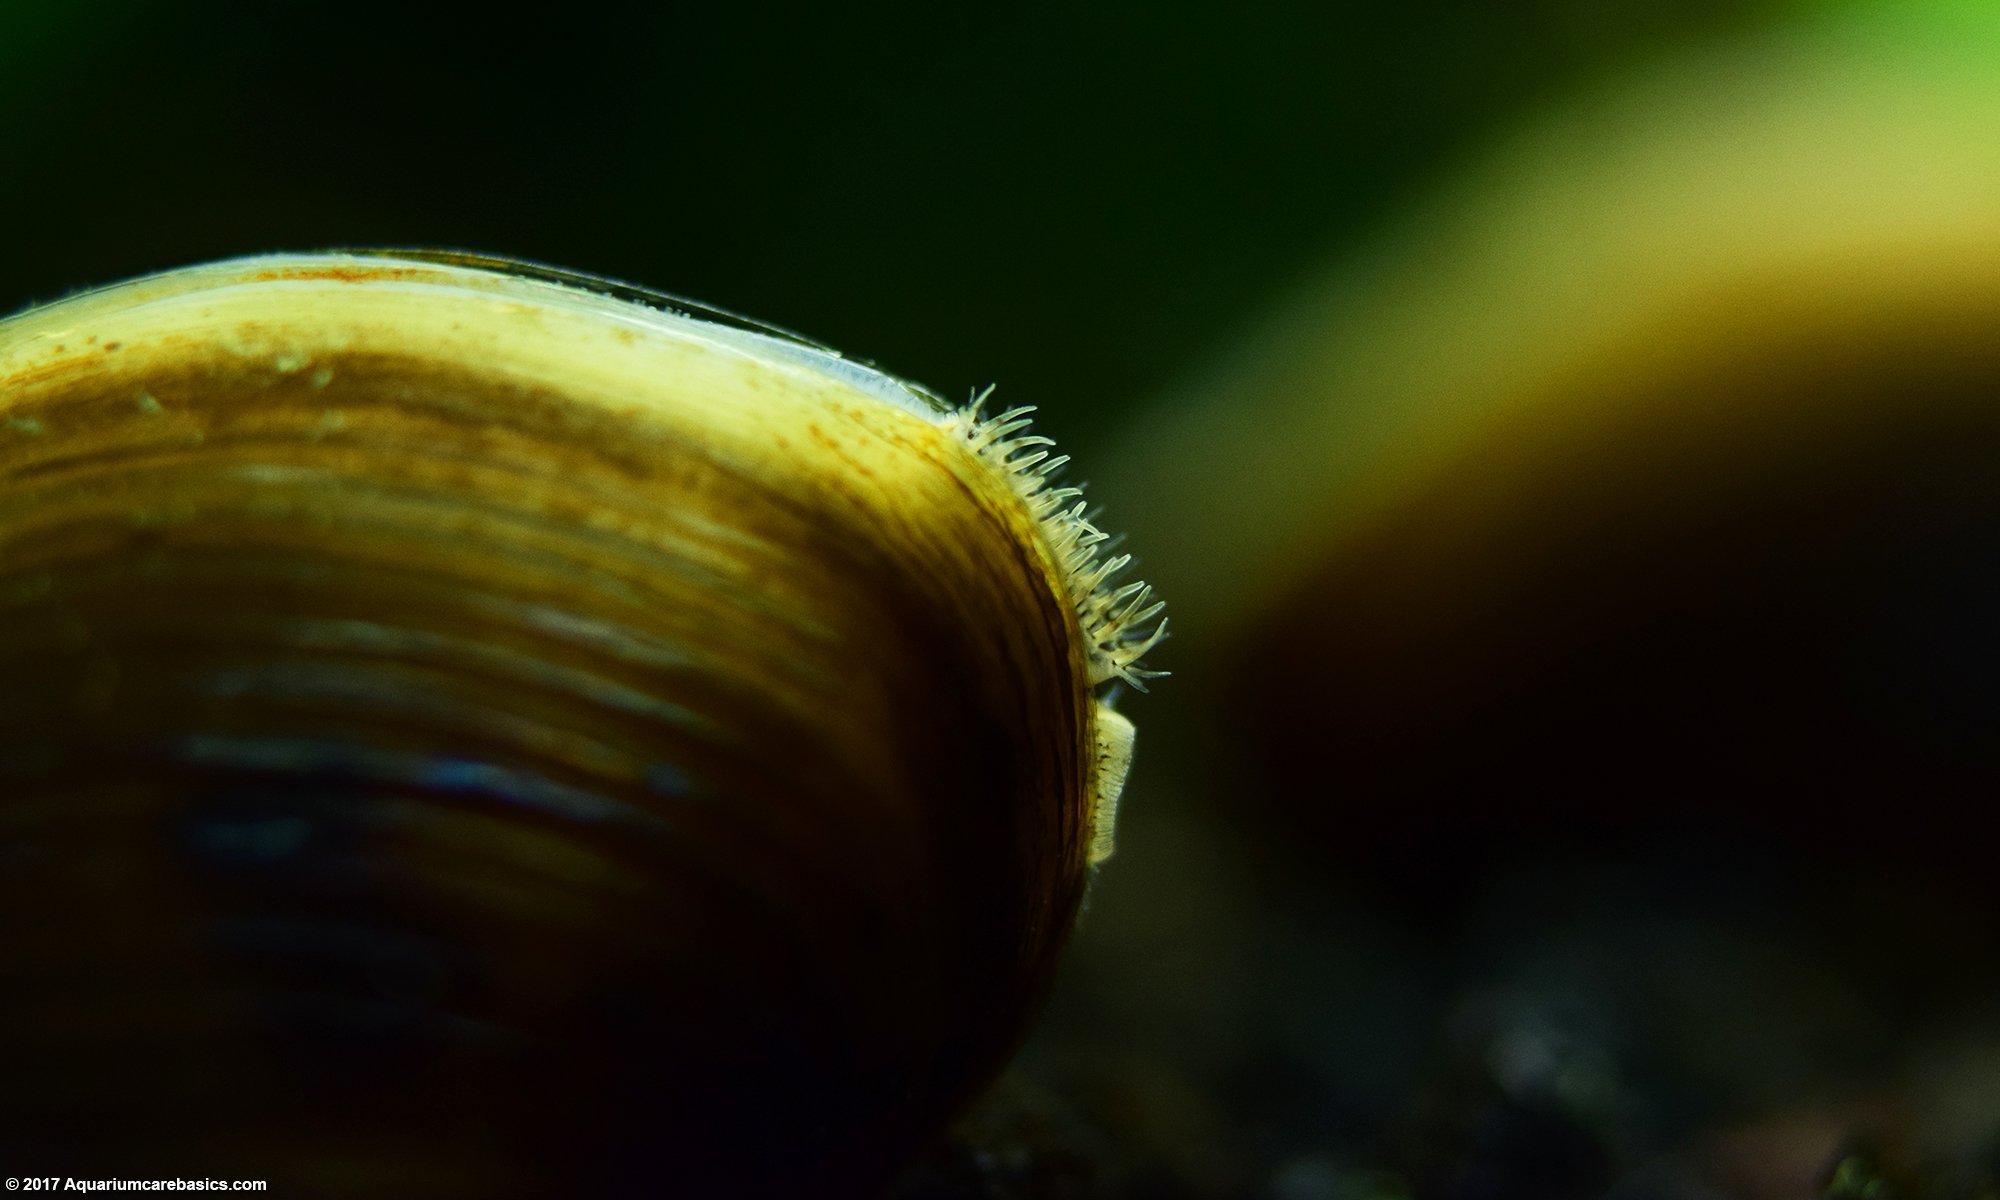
column 1076, row 202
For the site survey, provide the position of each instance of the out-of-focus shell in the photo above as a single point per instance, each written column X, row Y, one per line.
column 1641, row 486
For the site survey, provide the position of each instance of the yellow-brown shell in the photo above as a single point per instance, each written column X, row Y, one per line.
column 460, row 733
column 1638, row 486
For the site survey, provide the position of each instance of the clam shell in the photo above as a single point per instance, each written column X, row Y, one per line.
column 465, row 734
column 1635, row 492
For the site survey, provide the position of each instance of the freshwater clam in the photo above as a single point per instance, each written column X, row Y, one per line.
column 1614, row 618
column 467, row 733
column 1644, row 476
column 1591, row 585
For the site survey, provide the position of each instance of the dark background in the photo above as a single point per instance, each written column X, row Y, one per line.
column 1086, row 205
column 1077, row 202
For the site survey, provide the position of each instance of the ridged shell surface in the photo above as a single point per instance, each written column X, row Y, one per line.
column 465, row 735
